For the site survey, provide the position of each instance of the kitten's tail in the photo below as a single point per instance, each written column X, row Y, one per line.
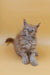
column 9, row 40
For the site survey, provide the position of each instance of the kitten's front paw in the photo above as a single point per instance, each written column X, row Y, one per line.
column 34, row 62
column 25, row 60
column 36, row 54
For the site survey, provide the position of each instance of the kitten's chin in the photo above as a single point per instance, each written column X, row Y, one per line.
column 31, row 35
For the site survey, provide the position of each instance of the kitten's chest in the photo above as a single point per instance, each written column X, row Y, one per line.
column 25, row 43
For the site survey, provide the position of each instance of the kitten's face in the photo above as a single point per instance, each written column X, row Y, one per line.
column 30, row 30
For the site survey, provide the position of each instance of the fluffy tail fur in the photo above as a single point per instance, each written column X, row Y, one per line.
column 9, row 40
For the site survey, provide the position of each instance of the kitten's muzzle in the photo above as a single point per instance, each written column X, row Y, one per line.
column 29, row 32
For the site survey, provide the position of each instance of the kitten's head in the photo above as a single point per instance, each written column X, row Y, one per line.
column 30, row 30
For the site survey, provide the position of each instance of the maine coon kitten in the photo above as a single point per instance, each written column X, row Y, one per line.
column 25, row 43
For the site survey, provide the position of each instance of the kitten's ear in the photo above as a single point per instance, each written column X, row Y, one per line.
column 37, row 25
column 25, row 22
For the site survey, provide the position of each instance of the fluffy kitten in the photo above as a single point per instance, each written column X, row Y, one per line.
column 25, row 43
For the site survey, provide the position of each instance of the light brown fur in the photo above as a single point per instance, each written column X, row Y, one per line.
column 25, row 43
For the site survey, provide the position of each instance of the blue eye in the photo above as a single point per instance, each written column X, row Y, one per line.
column 32, row 30
column 27, row 29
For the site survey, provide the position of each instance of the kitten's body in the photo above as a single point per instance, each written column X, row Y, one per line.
column 25, row 44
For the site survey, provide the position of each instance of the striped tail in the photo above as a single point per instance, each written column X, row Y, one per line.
column 9, row 40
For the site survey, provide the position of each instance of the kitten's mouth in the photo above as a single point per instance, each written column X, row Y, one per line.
column 29, row 33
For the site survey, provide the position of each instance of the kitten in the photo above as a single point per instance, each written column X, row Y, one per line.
column 25, row 43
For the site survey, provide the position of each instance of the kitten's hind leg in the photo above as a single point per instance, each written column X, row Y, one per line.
column 36, row 54
column 25, row 59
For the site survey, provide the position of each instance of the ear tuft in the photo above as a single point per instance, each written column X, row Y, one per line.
column 38, row 25
column 25, row 22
